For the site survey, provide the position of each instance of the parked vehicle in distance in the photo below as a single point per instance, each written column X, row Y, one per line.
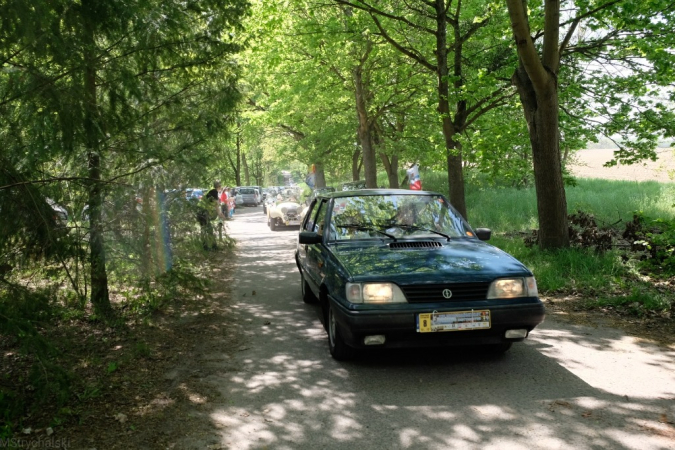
column 260, row 193
column 401, row 268
column 263, row 195
column 194, row 193
column 59, row 217
column 270, row 199
column 60, row 214
column 353, row 185
column 249, row 196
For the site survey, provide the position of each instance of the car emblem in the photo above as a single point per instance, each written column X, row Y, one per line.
column 447, row 293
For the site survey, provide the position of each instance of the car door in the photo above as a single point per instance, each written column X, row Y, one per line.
column 313, row 253
column 307, row 225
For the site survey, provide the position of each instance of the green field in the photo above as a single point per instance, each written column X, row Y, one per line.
column 613, row 277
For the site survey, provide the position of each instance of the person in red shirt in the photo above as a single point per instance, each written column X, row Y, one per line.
column 224, row 202
column 231, row 204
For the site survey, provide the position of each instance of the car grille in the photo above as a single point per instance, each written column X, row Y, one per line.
column 430, row 244
column 291, row 213
column 424, row 293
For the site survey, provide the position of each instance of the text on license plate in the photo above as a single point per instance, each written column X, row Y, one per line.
column 477, row 319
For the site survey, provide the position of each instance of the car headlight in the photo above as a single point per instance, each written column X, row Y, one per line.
column 375, row 293
column 513, row 288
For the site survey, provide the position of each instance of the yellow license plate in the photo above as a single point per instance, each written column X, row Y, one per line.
column 475, row 319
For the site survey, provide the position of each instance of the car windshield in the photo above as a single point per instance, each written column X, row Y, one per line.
column 288, row 195
column 395, row 217
column 247, row 191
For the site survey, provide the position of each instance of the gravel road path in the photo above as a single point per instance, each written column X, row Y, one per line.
column 566, row 387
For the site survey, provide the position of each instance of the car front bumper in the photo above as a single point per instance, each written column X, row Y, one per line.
column 400, row 327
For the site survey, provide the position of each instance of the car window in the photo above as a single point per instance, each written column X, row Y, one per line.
column 397, row 216
column 320, row 217
column 309, row 222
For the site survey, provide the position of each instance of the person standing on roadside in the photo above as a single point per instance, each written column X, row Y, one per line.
column 231, row 203
column 209, row 210
column 224, row 204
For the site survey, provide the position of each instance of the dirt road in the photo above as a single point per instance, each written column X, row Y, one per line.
column 566, row 387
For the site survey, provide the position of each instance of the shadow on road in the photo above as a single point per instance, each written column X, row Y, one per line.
column 566, row 387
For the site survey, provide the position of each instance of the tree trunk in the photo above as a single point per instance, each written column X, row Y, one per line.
column 365, row 138
column 356, row 164
column 147, row 245
column 100, row 297
column 237, row 168
column 453, row 152
column 391, row 167
column 319, row 176
column 258, row 170
column 247, row 175
column 541, row 114
column 536, row 81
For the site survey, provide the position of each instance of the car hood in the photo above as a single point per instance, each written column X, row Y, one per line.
column 465, row 260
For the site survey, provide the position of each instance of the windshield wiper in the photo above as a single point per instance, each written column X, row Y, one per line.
column 416, row 228
column 366, row 228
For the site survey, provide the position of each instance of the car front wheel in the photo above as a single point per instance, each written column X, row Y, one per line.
column 338, row 349
column 273, row 224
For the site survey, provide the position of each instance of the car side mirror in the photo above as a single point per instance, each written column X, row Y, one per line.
column 309, row 237
column 483, row 234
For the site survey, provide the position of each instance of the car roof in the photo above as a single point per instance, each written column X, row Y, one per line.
column 372, row 192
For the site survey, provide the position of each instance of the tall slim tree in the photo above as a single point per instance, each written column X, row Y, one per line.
column 537, row 81
column 116, row 88
column 616, row 56
column 443, row 30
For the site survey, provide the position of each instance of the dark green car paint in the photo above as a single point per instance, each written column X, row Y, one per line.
column 463, row 259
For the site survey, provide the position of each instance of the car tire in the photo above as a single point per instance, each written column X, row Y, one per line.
column 307, row 294
column 498, row 349
column 273, row 224
column 338, row 349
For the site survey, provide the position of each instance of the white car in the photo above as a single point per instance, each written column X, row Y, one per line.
column 285, row 211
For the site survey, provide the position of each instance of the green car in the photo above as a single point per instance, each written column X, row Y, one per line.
column 399, row 268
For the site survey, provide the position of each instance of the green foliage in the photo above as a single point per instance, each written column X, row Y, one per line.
column 121, row 98
column 642, row 297
column 572, row 270
column 112, row 367
column 613, row 277
column 150, row 295
column 22, row 313
column 11, row 407
column 655, row 238
column 141, row 350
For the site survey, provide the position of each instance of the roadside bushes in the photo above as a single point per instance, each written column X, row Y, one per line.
column 654, row 242
column 153, row 259
column 651, row 241
column 33, row 378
